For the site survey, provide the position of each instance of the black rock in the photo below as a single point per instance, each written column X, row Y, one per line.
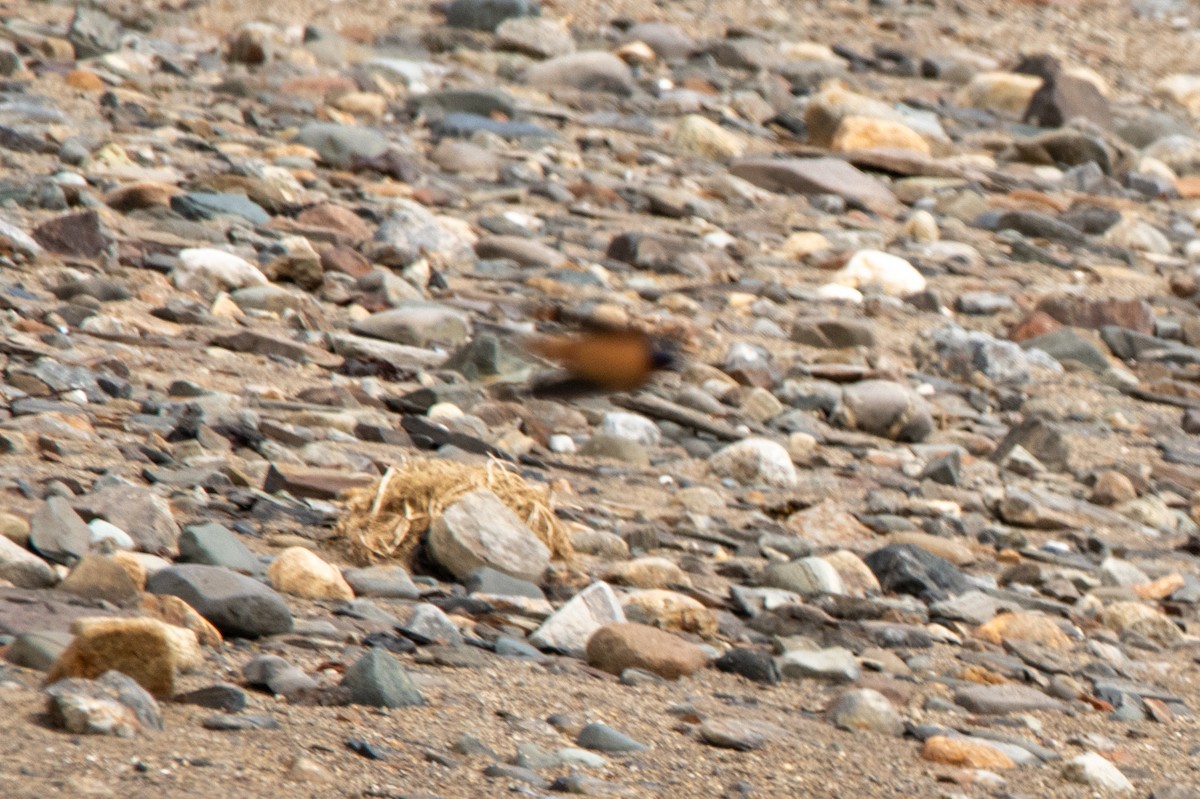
column 907, row 569
column 486, row 15
column 753, row 664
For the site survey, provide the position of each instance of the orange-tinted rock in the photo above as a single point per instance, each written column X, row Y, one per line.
column 85, row 80
column 957, row 752
column 617, row 647
column 1161, row 588
column 1023, row 627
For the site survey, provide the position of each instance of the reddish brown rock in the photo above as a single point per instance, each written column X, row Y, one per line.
column 346, row 260
column 348, row 225
column 617, row 647
column 1034, row 325
column 1095, row 314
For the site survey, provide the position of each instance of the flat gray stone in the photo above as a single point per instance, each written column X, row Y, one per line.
column 1001, row 699
column 811, row 176
column 383, row 582
column 213, row 544
column 834, row 665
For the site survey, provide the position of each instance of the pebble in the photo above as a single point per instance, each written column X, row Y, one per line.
column 603, row 738
column 732, row 734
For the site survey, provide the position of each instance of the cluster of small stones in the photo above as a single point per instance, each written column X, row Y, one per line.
column 926, row 476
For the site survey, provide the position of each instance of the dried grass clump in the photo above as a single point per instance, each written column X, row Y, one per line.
column 387, row 520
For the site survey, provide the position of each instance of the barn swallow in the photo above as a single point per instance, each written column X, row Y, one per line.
column 600, row 361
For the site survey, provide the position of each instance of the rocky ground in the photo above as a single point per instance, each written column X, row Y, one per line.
column 916, row 514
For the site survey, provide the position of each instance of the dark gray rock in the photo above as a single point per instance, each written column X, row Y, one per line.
column 907, row 569
column 238, row 606
column 199, row 205
column 57, row 533
column 487, row 580
column 1040, row 439
column 486, row 15
column 277, row 675
column 753, row 664
column 603, row 738
column 212, row 544
column 220, row 696
column 1008, row 698
column 342, row 146
column 377, row 679
column 384, row 582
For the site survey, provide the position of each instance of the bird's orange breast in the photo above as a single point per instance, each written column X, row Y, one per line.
column 614, row 360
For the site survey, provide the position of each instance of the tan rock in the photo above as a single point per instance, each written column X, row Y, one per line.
column 1161, row 588
column 620, row 646
column 946, row 548
column 834, row 103
column 957, row 752
column 827, row 524
column 300, row 572
column 803, row 243
column 174, row 611
column 1028, row 627
column 101, row 577
column 670, row 610
column 700, row 136
column 857, row 577
column 14, row 528
column 1182, row 89
column 867, row 133
column 1112, row 488
column 364, row 104
column 133, row 566
column 1141, row 619
column 1005, row 92
column 645, row 573
column 148, row 650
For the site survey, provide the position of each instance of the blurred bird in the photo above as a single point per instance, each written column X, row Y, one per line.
column 600, row 361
